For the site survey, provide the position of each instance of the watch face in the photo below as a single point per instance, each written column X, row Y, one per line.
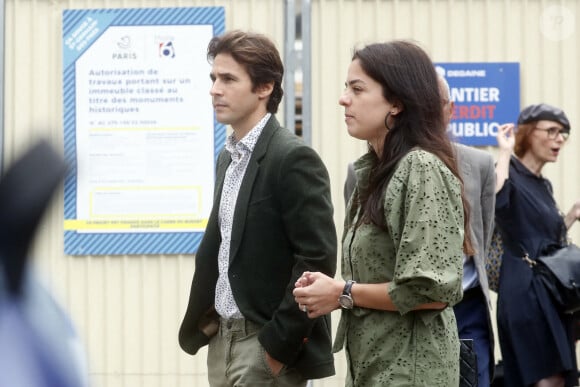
column 346, row 301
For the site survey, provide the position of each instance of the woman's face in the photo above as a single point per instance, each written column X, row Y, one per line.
column 546, row 141
column 365, row 107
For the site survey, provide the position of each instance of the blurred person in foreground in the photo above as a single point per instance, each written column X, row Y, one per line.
column 404, row 228
column 536, row 339
column 272, row 219
column 39, row 345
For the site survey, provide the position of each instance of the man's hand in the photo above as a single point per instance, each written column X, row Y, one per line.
column 274, row 364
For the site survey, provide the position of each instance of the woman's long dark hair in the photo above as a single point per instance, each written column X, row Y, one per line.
column 408, row 79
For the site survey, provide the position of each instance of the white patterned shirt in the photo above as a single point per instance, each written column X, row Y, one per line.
column 241, row 152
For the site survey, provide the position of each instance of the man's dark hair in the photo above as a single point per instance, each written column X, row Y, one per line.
column 259, row 56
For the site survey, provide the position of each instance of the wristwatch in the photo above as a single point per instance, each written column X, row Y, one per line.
column 345, row 300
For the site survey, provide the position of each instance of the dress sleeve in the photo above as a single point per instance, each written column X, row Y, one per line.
column 424, row 215
column 502, row 198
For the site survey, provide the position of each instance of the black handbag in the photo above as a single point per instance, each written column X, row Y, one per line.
column 467, row 364
column 559, row 272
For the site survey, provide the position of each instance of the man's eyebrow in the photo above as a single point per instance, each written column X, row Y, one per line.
column 223, row 74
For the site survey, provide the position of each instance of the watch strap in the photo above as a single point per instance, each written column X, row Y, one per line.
column 348, row 288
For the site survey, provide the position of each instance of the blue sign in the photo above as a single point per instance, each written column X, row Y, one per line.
column 486, row 95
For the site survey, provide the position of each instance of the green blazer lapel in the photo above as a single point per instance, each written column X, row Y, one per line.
column 244, row 195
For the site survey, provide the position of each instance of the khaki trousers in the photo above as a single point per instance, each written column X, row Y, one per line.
column 237, row 359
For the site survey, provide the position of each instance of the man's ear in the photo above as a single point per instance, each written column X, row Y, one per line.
column 264, row 90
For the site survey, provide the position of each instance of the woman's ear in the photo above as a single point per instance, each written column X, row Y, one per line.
column 396, row 108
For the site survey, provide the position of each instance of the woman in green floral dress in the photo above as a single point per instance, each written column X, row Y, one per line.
column 405, row 228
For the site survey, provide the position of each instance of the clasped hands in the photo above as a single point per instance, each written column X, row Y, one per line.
column 317, row 294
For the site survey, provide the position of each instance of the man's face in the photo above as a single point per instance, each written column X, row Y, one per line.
column 448, row 105
column 233, row 100
column 448, row 111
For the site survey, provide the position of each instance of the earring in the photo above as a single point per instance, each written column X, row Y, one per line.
column 386, row 119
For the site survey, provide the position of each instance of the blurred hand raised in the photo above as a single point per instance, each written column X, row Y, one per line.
column 506, row 137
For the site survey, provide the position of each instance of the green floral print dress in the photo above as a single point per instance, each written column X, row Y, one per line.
column 421, row 258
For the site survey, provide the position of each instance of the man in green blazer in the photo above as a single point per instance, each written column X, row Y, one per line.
column 272, row 219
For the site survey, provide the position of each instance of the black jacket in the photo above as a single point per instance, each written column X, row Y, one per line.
column 283, row 225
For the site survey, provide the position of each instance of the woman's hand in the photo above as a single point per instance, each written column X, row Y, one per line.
column 274, row 364
column 317, row 294
column 505, row 137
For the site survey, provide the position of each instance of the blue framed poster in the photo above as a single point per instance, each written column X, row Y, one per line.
column 140, row 136
column 486, row 95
